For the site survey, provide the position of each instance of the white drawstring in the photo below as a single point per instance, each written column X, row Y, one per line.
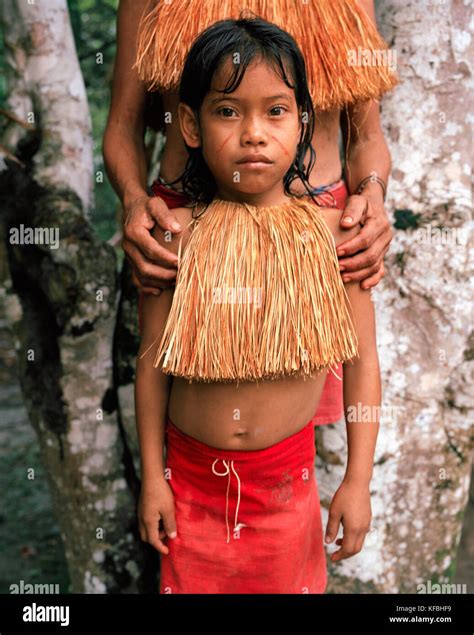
column 227, row 472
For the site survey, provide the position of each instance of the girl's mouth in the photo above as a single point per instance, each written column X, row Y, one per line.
column 255, row 158
column 255, row 165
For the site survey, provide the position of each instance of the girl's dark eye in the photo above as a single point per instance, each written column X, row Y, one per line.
column 280, row 108
column 225, row 111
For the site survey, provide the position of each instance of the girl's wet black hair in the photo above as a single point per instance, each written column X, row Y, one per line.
column 251, row 38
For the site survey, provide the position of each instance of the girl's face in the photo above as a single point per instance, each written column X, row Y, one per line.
column 248, row 137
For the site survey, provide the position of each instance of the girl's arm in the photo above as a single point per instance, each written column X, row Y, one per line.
column 152, row 390
column 362, row 396
column 152, row 387
column 362, row 390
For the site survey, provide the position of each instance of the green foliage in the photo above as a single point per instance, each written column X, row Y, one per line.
column 406, row 219
column 93, row 23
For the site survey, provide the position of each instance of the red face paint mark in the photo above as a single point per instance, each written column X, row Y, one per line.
column 281, row 146
column 225, row 141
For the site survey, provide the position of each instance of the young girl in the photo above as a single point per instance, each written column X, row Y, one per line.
column 258, row 316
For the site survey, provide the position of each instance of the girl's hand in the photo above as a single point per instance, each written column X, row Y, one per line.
column 350, row 506
column 156, row 503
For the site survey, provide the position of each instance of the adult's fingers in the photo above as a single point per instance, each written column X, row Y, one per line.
column 373, row 280
column 151, row 285
column 368, row 257
column 150, row 274
column 140, row 246
column 165, row 217
column 366, row 237
column 354, row 211
column 151, row 290
column 361, row 274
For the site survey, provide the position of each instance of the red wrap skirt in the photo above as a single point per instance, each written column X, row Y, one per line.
column 247, row 521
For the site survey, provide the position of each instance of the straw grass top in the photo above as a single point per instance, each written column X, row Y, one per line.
column 258, row 295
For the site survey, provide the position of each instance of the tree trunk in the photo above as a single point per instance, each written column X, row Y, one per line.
column 423, row 459
column 62, row 300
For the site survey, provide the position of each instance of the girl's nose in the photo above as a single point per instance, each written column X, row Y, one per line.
column 253, row 133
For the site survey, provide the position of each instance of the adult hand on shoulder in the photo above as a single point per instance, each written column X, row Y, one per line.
column 153, row 266
column 371, row 243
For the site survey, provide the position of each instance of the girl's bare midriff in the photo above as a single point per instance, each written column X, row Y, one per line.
column 327, row 168
column 248, row 417
column 253, row 415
